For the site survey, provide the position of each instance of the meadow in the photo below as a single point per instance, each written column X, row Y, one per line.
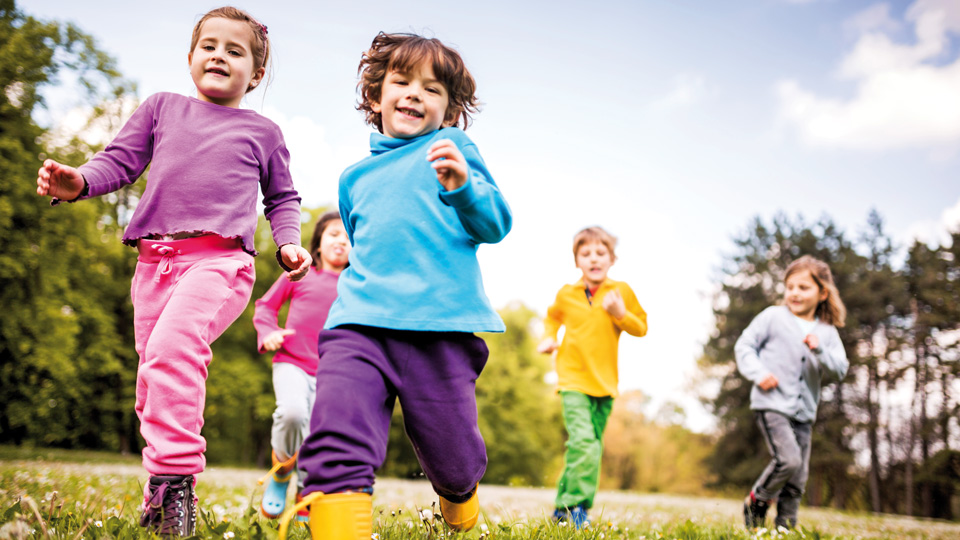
column 49, row 494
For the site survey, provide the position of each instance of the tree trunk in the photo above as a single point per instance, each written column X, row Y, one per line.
column 872, row 437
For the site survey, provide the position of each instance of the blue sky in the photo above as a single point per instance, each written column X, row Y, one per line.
column 671, row 123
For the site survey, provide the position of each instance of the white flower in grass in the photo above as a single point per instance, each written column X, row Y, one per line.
column 375, row 536
column 426, row 514
column 483, row 527
column 228, row 535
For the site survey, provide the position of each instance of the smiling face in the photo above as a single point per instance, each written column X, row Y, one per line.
column 222, row 64
column 594, row 260
column 803, row 295
column 412, row 103
column 334, row 247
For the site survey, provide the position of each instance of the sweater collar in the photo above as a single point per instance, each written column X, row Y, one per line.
column 380, row 143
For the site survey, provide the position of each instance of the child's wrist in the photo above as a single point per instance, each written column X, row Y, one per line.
column 84, row 191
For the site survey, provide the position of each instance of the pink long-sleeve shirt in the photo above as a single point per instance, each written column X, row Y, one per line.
column 310, row 301
column 208, row 162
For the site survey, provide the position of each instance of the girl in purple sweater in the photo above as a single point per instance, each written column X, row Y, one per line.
column 295, row 361
column 193, row 228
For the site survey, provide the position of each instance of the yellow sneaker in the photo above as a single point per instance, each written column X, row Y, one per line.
column 461, row 516
column 335, row 516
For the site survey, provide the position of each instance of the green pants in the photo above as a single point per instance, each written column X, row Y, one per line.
column 585, row 418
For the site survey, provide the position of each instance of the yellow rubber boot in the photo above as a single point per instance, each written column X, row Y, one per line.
column 335, row 516
column 461, row 516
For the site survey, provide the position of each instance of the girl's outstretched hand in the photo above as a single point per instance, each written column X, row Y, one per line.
column 812, row 341
column 59, row 181
column 613, row 304
column 449, row 163
column 296, row 257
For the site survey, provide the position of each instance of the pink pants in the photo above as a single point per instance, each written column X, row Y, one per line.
column 185, row 294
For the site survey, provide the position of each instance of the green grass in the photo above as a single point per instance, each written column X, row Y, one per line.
column 67, row 495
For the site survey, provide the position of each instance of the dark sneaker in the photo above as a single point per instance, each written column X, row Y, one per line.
column 559, row 515
column 578, row 516
column 754, row 511
column 169, row 506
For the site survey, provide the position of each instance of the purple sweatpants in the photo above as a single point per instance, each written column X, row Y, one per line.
column 362, row 372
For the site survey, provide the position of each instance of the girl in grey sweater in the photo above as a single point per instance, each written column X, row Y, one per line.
column 785, row 352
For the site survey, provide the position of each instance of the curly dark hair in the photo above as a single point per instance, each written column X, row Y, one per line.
column 403, row 52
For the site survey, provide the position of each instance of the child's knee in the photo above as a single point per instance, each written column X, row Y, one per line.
column 291, row 418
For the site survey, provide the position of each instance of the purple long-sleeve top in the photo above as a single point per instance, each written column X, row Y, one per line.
column 207, row 162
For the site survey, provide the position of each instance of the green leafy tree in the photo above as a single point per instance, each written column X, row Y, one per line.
column 64, row 364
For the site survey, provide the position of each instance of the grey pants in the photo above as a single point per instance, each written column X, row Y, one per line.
column 785, row 477
column 295, row 391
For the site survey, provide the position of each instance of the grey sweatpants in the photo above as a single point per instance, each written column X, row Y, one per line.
column 785, row 477
column 295, row 391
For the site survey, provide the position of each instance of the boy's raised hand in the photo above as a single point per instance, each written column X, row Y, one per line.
column 59, row 181
column 296, row 257
column 449, row 163
column 548, row 345
column 613, row 304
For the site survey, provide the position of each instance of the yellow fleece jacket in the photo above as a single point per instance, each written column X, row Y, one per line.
column 587, row 358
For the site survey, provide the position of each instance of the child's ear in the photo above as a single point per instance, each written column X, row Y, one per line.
column 375, row 107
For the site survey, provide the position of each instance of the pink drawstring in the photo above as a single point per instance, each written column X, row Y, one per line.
column 167, row 253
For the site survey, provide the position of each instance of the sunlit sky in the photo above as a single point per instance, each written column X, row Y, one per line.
column 670, row 123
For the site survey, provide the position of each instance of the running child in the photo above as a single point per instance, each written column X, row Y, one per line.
column 295, row 348
column 786, row 351
column 402, row 327
column 193, row 228
column 593, row 311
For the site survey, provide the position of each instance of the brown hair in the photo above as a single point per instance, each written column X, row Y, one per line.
column 404, row 52
column 322, row 223
column 831, row 310
column 595, row 234
column 259, row 46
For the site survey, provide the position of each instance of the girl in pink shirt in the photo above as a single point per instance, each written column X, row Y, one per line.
column 295, row 345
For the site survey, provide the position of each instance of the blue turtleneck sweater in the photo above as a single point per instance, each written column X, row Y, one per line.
column 414, row 265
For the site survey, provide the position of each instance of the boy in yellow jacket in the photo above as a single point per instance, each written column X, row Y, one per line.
column 594, row 311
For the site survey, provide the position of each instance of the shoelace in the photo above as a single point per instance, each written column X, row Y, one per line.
column 170, row 512
column 277, row 466
column 166, row 262
column 289, row 514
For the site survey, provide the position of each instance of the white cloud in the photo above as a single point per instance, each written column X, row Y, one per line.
column 906, row 93
column 934, row 231
column 876, row 17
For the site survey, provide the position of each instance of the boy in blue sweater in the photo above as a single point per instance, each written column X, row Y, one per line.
column 402, row 326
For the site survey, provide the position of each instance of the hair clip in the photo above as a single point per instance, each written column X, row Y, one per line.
column 263, row 29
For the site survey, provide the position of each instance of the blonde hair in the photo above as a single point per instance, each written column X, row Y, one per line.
column 831, row 309
column 595, row 234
